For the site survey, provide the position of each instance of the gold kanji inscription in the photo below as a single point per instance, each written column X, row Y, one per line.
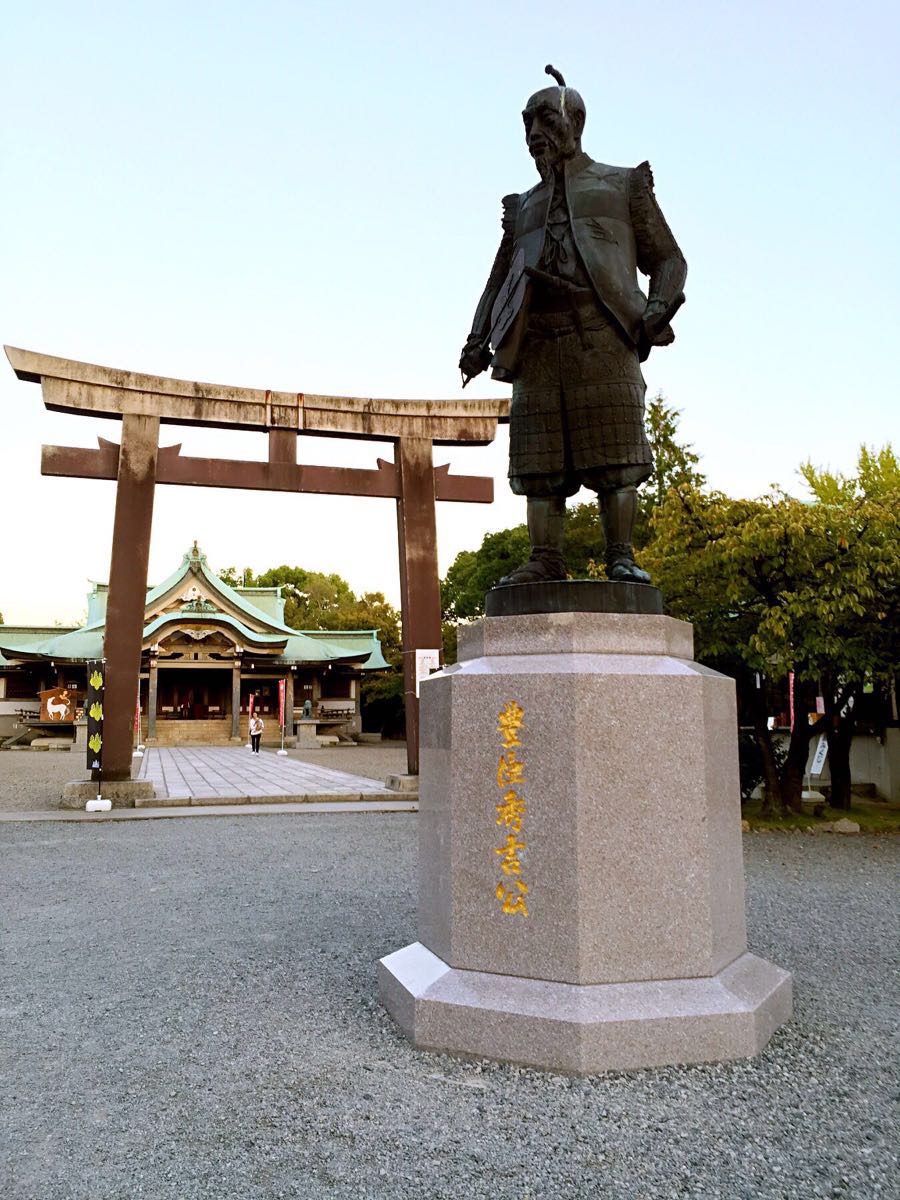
column 510, row 901
column 510, row 863
column 509, row 722
column 511, row 811
column 510, row 769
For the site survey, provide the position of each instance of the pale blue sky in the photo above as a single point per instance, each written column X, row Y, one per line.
column 306, row 197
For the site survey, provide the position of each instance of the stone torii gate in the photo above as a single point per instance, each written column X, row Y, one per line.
column 143, row 402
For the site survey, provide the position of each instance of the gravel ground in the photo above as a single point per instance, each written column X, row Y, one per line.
column 189, row 1011
column 31, row 780
column 374, row 760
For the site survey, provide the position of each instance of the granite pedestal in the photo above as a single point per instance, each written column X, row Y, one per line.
column 609, row 931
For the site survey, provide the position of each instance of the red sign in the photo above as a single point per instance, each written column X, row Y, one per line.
column 250, row 705
column 281, row 686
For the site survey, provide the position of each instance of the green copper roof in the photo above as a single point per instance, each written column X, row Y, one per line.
column 13, row 636
column 77, row 645
column 267, row 599
column 353, row 642
column 357, row 646
column 179, row 616
column 194, row 562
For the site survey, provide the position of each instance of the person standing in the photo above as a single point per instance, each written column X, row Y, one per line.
column 256, row 729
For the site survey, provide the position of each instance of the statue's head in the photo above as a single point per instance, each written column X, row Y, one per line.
column 554, row 120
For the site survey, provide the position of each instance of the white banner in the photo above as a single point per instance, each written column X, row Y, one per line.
column 427, row 661
column 818, row 761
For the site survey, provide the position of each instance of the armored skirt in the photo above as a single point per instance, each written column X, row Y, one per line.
column 577, row 412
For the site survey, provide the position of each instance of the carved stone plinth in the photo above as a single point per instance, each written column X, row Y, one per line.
column 600, row 923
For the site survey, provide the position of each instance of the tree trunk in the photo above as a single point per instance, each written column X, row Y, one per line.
column 763, row 735
column 840, row 738
column 771, row 783
column 840, row 717
column 798, row 748
column 794, row 770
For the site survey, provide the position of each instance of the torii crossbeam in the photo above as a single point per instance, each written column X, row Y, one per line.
column 144, row 402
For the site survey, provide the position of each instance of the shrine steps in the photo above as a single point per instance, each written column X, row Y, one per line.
column 191, row 733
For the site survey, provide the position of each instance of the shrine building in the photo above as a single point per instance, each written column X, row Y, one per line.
column 207, row 649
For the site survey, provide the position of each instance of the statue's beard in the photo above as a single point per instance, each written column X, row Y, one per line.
column 553, row 156
column 545, row 163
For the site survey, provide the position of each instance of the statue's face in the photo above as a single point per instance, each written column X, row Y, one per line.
column 550, row 132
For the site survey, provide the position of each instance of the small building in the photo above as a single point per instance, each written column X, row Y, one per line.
column 207, row 650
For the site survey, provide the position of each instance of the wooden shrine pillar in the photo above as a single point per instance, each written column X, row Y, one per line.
column 135, row 483
column 152, row 698
column 289, row 704
column 420, row 593
column 236, row 698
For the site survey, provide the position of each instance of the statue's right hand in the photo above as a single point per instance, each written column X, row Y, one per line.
column 475, row 357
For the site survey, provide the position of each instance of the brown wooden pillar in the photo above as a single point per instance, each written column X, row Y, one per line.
column 136, row 480
column 289, row 705
column 420, row 594
column 152, row 689
column 236, row 699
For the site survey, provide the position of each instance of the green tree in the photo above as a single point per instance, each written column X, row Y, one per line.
column 314, row 600
column 674, row 464
column 235, row 578
column 382, row 693
column 473, row 572
column 777, row 585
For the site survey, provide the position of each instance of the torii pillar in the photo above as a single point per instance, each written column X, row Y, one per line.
column 123, row 637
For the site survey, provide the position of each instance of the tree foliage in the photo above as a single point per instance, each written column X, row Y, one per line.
column 675, row 464
column 473, row 572
column 314, row 600
column 788, row 585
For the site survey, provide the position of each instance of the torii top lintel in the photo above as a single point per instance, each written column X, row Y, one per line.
column 71, row 386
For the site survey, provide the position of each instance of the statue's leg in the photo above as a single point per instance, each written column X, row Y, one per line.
column 618, row 509
column 546, row 528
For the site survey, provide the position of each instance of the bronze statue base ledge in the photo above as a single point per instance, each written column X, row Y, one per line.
column 573, row 595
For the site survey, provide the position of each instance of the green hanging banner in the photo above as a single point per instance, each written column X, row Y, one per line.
column 93, row 710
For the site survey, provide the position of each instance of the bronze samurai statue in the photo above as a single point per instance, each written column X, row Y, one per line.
column 563, row 319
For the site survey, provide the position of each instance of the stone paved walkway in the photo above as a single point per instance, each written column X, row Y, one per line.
column 232, row 775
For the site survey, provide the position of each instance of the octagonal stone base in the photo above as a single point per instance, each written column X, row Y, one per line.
column 583, row 1030
column 622, row 904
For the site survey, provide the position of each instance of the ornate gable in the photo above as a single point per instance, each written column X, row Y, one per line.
column 195, row 587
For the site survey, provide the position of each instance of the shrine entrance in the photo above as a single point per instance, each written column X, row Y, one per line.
column 144, row 402
column 185, row 695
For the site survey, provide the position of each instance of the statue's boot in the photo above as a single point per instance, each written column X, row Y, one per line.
column 546, row 526
column 618, row 510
